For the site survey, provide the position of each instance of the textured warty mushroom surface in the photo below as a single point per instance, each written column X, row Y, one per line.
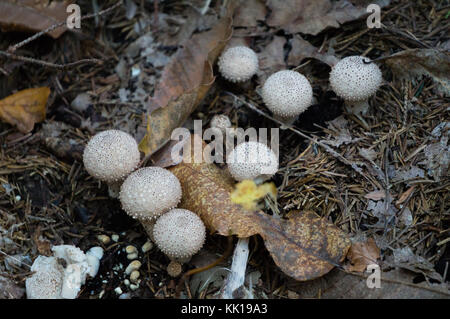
column 252, row 160
column 238, row 64
column 353, row 79
column 179, row 233
column 111, row 155
column 149, row 192
column 287, row 93
column 46, row 282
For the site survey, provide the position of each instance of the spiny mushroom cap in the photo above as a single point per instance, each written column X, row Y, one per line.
column 287, row 93
column 174, row 269
column 252, row 160
column 150, row 192
column 238, row 64
column 179, row 233
column 354, row 80
column 46, row 282
column 111, row 155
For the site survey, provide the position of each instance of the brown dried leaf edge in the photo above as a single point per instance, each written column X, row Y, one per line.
column 304, row 246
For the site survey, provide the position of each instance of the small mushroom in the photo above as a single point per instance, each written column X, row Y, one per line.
column 238, row 64
column 220, row 122
column 110, row 156
column 179, row 234
column 252, row 160
column 174, row 269
column 355, row 79
column 287, row 94
column 150, row 192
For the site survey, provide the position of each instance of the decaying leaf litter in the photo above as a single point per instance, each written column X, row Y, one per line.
column 382, row 181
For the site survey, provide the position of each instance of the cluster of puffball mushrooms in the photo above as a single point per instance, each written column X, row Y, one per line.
column 151, row 194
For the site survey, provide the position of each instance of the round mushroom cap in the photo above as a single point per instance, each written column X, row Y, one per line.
column 353, row 79
column 252, row 160
column 238, row 64
column 221, row 122
column 287, row 93
column 179, row 233
column 111, row 155
column 150, row 192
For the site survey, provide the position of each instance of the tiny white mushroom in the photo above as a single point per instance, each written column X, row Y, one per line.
column 134, row 265
column 355, row 79
column 252, row 160
column 221, row 122
column 238, row 64
column 110, row 156
column 287, row 94
column 179, row 234
column 150, row 192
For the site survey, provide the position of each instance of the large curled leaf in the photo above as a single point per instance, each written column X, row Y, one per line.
column 185, row 81
column 304, row 246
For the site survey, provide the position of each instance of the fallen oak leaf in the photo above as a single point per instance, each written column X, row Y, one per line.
column 362, row 254
column 185, row 81
column 32, row 15
column 25, row 108
column 305, row 246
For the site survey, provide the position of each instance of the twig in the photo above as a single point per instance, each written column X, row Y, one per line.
column 13, row 48
column 48, row 64
column 10, row 52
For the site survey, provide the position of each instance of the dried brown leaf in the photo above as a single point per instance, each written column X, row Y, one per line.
column 305, row 246
column 32, row 15
column 25, row 108
column 313, row 16
column 302, row 49
column 271, row 59
column 362, row 254
column 414, row 63
column 250, row 13
column 375, row 195
column 185, row 81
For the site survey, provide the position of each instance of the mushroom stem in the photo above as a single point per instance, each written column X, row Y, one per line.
column 114, row 189
column 237, row 276
column 357, row 107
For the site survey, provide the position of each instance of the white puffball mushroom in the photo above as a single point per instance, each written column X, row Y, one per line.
column 150, row 192
column 110, row 156
column 238, row 64
column 179, row 234
column 287, row 94
column 252, row 160
column 174, row 269
column 46, row 282
column 355, row 79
